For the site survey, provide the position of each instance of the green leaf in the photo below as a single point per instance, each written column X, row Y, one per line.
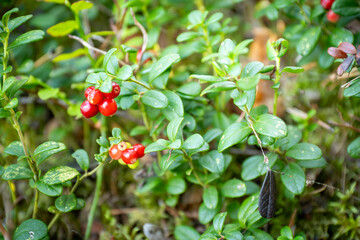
column 49, row 190
column 211, row 197
column 213, row 161
column 15, row 149
column 316, row 163
column 155, row 99
column 47, row 93
column 292, row 69
column 60, row 174
column 233, row 188
column 46, row 150
column 66, row 203
column 80, row 204
column 111, row 62
column 340, row 35
column 226, row 47
column 207, row 214
column 248, row 209
column 354, row 148
column 82, row 158
column 219, row 87
column 14, row 23
column 234, row 134
column 33, row 229
column 249, row 169
column 241, row 48
column 14, row 86
column 27, row 37
column 124, row 73
column 247, row 83
column 196, row 17
column 16, row 172
column 259, row 234
column 304, row 151
column 183, row 232
column 218, row 222
column 81, row 5
column 346, row 7
column 187, row 36
column 190, row 89
column 67, row 56
column 294, row 178
column 308, row 41
column 12, row 104
column 251, row 69
column 173, row 128
column 212, row 134
column 162, row 65
column 159, row 145
column 195, row 141
column 62, row 29
column 175, row 108
column 176, row 158
column 286, row 232
column 214, row 18
column 270, row 125
column 176, row 185
column 6, row 16
column 353, row 89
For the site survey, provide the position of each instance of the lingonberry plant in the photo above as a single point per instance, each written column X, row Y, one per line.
column 186, row 146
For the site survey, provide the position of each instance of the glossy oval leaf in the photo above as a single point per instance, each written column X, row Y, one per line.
column 176, row 185
column 33, row 229
column 66, row 203
column 16, row 172
column 294, row 178
column 270, row 125
column 60, row 174
column 354, row 148
column 175, row 107
column 233, row 188
column 82, row 158
column 308, row 41
column 173, row 128
column 155, row 99
column 213, row 161
column 162, row 65
column 49, row 190
column 195, row 141
column 27, row 37
column 304, row 151
column 234, row 134
column 15, row 149
column 210, row 197
column 183, row 232
column 46, row 150
column 62, row 29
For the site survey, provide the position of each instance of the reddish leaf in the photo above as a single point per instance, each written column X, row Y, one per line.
column 347, row 62
column 336, row 53
column 340, row 71
column 357, row 57
column 347, row 48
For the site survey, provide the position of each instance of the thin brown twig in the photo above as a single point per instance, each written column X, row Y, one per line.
column 3, row 231
column 86, row 44
column 143, row 31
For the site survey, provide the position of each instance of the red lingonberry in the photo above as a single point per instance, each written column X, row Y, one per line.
column 108, row 107
column 139, row 149
column 129, row 156
column 94, row 96
column 115, row 152
column 88, row 110
column 114, row 93
column 327, row 3
column 88, row 90
column 332, row 17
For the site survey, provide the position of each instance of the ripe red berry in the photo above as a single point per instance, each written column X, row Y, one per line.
column 139, row 149
column 88, row 90
column 114, row 93
column 327, row 3
column 115, row 152
column 129, row 156
column 108, row 107
column 94, row 96
column 332, row 17
column 88, row 110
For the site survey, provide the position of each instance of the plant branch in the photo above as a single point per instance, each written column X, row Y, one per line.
column 189, row 160
column 86, row 44
column 143, row 31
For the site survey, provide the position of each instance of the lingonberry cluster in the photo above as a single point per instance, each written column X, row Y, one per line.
column 100, row 101
column 127, row 154
column 331, row 16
